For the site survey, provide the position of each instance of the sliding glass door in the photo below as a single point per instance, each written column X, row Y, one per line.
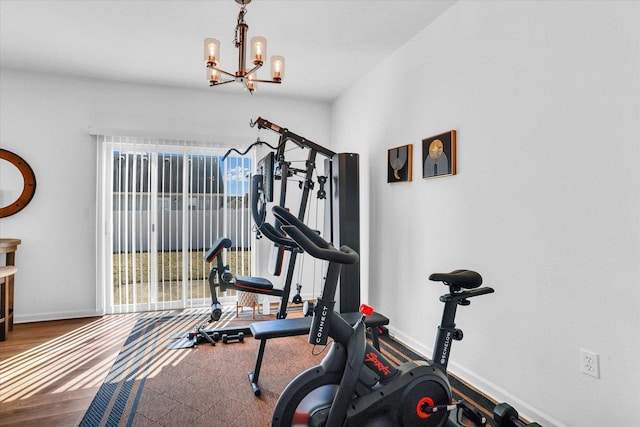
column 162, row 206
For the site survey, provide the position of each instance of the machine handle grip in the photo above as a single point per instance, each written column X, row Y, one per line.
column 259, row 217
column 311, row 242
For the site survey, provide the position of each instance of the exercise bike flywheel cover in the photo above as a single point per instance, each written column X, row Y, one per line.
column 431, row 390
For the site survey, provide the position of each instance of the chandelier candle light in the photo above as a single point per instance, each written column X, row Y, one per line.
column 248, row 79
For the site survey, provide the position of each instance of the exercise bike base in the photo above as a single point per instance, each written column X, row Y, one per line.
column 396, row 403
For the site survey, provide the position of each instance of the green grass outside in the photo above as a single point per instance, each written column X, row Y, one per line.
column 127, row 267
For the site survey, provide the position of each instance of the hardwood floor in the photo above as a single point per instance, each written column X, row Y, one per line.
column 50, row 371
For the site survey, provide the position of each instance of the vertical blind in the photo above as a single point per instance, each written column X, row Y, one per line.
column 161, row 204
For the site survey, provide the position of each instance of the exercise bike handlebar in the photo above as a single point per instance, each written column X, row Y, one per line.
column 311, row 242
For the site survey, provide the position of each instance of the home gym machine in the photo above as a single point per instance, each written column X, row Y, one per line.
column 341, row 212
column 340, row 190
column 341, row 226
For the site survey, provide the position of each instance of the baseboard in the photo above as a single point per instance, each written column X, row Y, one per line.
column 484, row 386
column 43, row 317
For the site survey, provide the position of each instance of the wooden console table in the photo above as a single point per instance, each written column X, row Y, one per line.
column 7, row 247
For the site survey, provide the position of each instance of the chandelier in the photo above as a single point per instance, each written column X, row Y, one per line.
column 248, row 79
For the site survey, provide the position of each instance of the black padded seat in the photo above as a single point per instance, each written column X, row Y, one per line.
column 281, row 328
column 249, row 284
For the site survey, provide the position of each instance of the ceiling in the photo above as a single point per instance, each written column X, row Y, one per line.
column 326, row 44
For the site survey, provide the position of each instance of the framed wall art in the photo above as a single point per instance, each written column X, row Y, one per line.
column 439, row 155
column 399, row 163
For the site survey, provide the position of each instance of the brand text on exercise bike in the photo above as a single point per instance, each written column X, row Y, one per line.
column 323, row 319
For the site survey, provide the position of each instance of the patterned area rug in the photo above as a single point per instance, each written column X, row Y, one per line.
column 145, row 357
column 151, row 385
column 125, row 381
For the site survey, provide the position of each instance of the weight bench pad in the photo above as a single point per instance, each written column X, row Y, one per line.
column 299, row 326
column 281, row 328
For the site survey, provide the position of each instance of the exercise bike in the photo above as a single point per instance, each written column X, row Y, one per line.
column 355, row 385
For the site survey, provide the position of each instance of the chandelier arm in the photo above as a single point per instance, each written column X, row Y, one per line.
column 265, row 81
column 223, row 82
column 253, row 69
column 225, row 72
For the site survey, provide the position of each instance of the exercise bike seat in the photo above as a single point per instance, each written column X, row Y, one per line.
column 466, row 279
column 253, row 284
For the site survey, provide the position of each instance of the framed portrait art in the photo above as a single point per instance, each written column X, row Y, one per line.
column 439, row 155
column 399, row 163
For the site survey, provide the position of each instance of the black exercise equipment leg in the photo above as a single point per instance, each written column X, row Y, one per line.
column 255, row 374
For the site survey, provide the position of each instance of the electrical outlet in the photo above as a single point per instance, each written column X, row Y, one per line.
column 589, row 363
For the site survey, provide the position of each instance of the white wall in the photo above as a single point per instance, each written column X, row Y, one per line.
column 46, row 119
column 545, row 100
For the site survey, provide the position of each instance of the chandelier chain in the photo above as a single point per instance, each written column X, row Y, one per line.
column 236, row 39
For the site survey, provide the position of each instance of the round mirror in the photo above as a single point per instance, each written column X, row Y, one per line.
column 18, row 183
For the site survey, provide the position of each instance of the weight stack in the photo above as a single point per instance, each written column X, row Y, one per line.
column 342, row 221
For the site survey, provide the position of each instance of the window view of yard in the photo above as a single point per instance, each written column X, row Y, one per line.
column 167, row 208
column 169, row 285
